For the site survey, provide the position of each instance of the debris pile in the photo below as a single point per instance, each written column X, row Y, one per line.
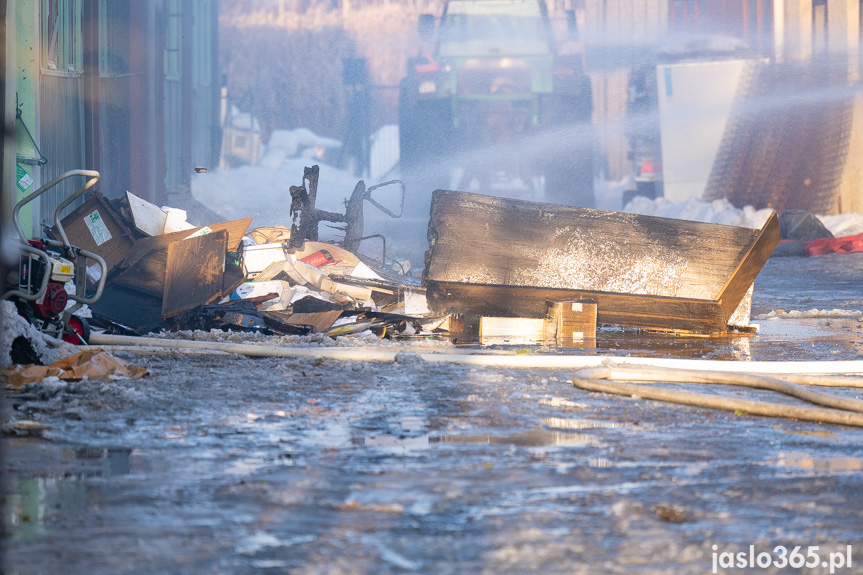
column 803, row 234
column 533, row 272
column 167, row 274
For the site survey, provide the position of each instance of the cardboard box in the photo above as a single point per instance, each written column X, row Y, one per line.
column 571, row 319
column 259, row 257
column 96, row 227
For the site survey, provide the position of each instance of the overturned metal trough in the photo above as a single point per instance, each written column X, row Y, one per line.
column 501, row 257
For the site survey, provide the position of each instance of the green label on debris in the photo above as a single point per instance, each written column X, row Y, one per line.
column 97, row 228
column 24, row 179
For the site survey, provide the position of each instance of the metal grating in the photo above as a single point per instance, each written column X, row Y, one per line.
column 786, row 143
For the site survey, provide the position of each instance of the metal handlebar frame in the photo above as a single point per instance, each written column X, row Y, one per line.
column 92, row 174
column 63, row 244
column 28, row 249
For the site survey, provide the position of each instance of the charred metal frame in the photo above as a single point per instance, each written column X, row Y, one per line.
column 306, row 216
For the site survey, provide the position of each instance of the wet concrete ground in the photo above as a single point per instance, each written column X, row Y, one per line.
column 224, row 464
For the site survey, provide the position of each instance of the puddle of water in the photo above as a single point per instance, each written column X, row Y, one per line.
column 810, row 432
column 827, row 465
column 538, row 437
column 113, row 461
column 561, row 423
column 35, row 502
column 555, row 431
column 564, row 343
column 534, row 438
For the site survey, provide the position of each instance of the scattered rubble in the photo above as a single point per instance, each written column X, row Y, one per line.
column 165, row 274
column 533, row 273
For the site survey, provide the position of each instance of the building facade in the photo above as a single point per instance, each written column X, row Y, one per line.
column 130, row 89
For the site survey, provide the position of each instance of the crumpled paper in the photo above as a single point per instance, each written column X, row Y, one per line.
column 94, row 363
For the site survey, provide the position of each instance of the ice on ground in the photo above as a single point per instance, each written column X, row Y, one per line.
column 363, row 339
column 12, row 325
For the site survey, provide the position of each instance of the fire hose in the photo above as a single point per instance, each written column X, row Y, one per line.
column 838, row 410
column 595, row 373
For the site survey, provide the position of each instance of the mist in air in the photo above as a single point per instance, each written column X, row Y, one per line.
column 754, row 108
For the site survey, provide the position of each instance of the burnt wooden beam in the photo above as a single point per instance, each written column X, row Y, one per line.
column 194, row 273
column 502, row 257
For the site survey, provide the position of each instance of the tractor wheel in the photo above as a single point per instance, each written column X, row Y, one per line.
column 77, row 331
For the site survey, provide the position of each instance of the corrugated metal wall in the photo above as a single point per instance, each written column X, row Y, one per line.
column 61, row 135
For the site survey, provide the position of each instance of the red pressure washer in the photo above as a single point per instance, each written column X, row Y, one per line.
column 46, row 266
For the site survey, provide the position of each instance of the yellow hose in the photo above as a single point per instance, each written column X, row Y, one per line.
column 837, row 410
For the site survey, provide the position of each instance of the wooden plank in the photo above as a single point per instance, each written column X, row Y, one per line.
column 742, row 277
column 194, row 273
column 114, row 249
column 496, row 241
column 235, row 228
column 233, row 277
column 147, row 275
column 643, row 311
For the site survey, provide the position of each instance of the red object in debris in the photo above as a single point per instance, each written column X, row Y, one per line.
column 646, row 167
column 319, row 258
column 843, row 245
column 52, row 303
column 80, row 334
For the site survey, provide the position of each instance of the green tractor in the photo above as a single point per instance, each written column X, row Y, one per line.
column 494, row 108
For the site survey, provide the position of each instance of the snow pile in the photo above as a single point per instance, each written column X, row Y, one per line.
column 384, row 154
column 843, row 224
column 243, row 120
column 299, row 143
column 263, row 190
column 722, row 212
column 715, row 212
column 813, row 314
column 608, row 194
column 12, row 325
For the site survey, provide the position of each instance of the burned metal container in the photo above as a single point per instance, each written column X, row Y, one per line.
column 500, row 257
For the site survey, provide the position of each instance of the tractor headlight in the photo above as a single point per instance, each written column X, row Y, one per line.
column 427, row 87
